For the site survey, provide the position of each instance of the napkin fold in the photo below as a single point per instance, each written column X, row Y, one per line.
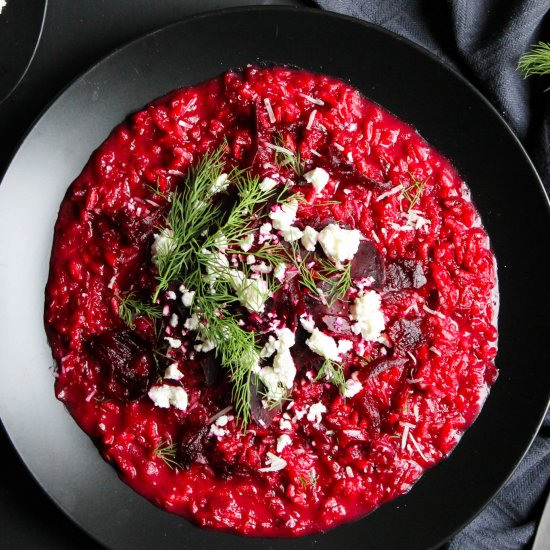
column 484, row 39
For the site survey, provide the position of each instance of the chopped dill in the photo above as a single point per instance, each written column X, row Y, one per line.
column 309, row 481
column 286, row 157
column 536, row 61
column 130, row 308
column 167, row 452
column 333, row 373
column 413, row 192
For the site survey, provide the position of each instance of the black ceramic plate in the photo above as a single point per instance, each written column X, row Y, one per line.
column 408, row 81
column 20, row 28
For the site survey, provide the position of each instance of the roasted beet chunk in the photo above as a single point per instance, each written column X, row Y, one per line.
column 368, row 262
column 210, row 368
column 381, row 365
column 406, row 334
column 405, row 274
column 126, row 363
column 193, row 441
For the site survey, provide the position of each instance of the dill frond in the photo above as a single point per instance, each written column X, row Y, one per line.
column 536, row 61
column 167, row 452
column 333, row 373
column 130, row 308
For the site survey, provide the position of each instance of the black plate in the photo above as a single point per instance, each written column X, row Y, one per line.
column 20, row 28
column 408, row 81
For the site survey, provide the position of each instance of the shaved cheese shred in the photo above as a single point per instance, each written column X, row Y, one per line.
column 269, row 110
column 433, row 312
column 417, row 447
column 313, row 100
column 314, row 152
column 311, row 119
column 389, row 193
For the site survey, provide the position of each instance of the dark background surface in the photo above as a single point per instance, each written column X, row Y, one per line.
column 76, row 34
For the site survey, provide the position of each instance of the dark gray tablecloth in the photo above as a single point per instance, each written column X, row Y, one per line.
column 484, row 39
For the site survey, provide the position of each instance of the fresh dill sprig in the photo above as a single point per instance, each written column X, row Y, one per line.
column 167, row 452
column 333, row 373
column 338, row 277
column 413, row 192
column 130, row 308
column 191, row 214
column 537, row 61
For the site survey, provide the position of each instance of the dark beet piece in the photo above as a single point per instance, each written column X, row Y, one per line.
column 210, row 368
column 193, row 441
column 337, row 324
column 379, row 366
column 126, row 362
column 369, row 410
column 405, row 274
column 368, row 262
column 260, row 415
column 406, row 334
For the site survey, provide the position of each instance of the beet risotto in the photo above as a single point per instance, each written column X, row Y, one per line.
column 271, row 303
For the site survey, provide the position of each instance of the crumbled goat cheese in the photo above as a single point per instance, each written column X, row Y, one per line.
column 291, row 234
column 222, row 420
column 279, row 271
column 274, row 463
column 192, row 323
column 344, row 346
column 267, row 184
column 283, row 366
column 339, row 244
column 187, row 298
column 163, row 243
column 172, row 372
column 221, row 184
column 353, row 387
column 318, row 178
column 282, row 442
column 270, row 379
column 285, row 424
column 281, row 375
column 262, row 267
column 323, row 345
column 253, row 294
column 204, row 346
column 284, row 216
column 366, row 310
column 307, row 323
column 247, row 242
column 173, row 342
column 164, row 396
column 171, row 295
column 315, row 412
column 251, row 259
column 217, row 431
column 310, row 238
column 174, row 320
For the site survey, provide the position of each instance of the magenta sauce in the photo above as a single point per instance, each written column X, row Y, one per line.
column 420, row 389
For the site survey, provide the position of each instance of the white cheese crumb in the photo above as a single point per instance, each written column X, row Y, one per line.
column 349, row 471
column 283, row 366
column 187, row 298
column 247, row 242
column 253, row 293
column 173, row 342
column 251, row 259
column 315, row 412
column 205, row 346
column 221, row 184
column 172, row 372
column 164, row 396
column 282, row 441
column 307, row 323
column 171, row 295
column 163, row 243
column 262, row 267
column 339, row 244
column 291, row 234
column 217, row 431
column 192, row 323
column 318, row 177
column 285, row 424
column 283, row 216
column 274, row 463
column 310, row 238
column 222, row 420
column 366, row 310
column 353, row 387
column 267, row 184
column 344, row 346
column 323, row 345
column 279, row 271
column 174, row 320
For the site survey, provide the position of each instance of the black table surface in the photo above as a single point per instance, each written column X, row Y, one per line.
column 76, row 34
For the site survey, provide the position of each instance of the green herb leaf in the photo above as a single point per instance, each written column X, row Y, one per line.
column 167, row 451
column 130, row 308
column 536, row 62
column 333, row 373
